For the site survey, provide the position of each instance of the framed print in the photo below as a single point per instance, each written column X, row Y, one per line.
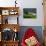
column 13, row 12
column 5, row 12
column 29, row 13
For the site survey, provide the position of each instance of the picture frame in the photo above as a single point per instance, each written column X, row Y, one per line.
column 13, row 12
column 5, row 12
column 30, row 13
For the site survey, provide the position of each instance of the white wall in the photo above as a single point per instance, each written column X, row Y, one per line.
column 27, row 4
column 7, row 3
column 32, row 4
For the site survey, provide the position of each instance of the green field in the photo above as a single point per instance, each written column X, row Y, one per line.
column 29, row 16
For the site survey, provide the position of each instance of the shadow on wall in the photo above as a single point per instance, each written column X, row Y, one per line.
column 37, row 29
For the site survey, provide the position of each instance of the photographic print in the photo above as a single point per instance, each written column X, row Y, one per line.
column 29, row 13
column 5, row 12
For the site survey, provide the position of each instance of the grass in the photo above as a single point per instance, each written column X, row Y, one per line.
column 29, row 16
